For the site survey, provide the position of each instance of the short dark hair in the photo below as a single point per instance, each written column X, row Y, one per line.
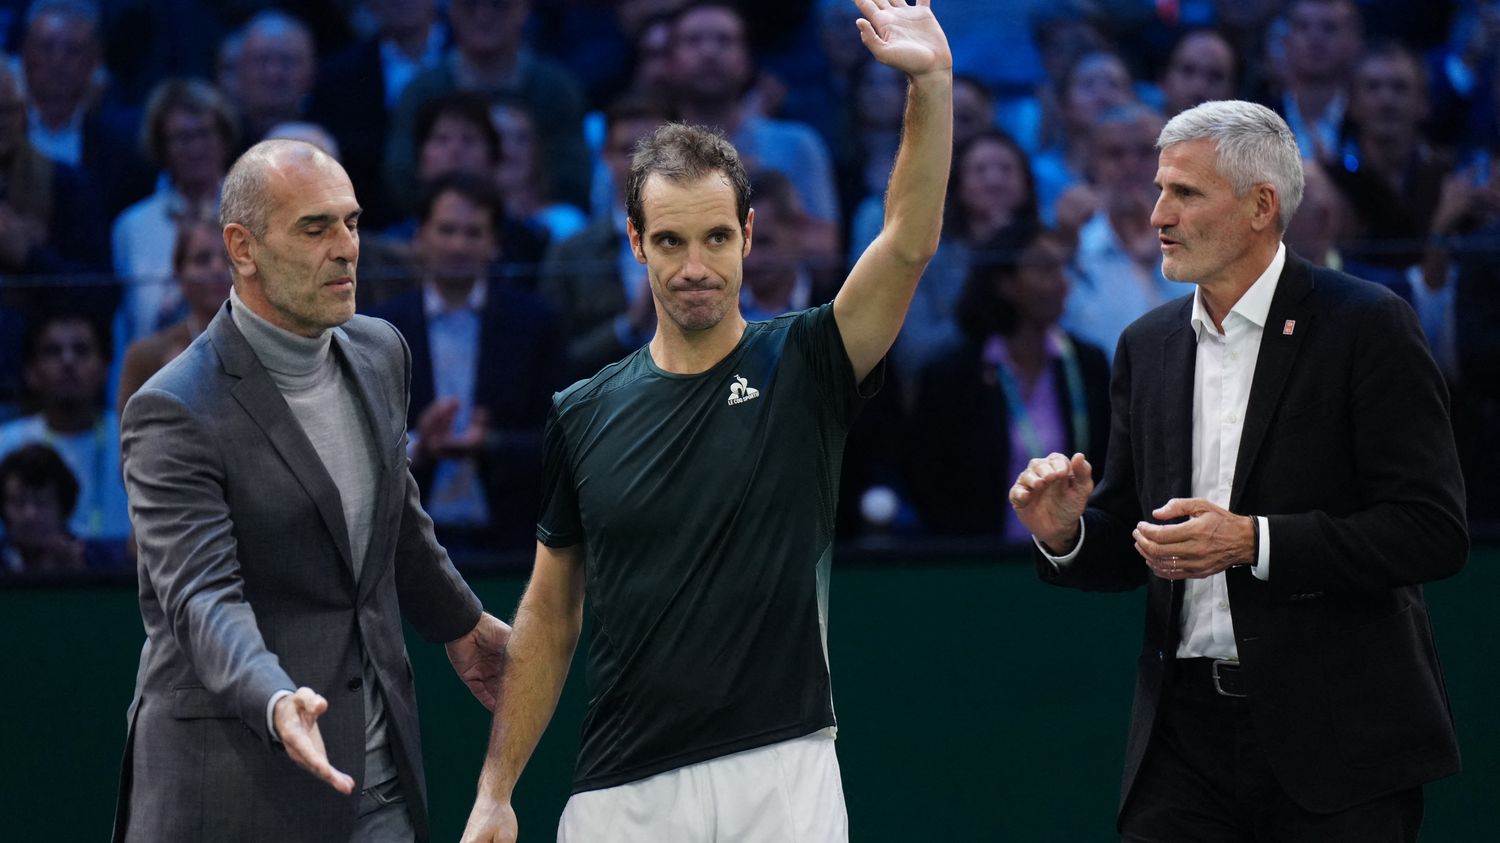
column 980, row 311
column 191, row 95
column 476, row 189
column 37, row 324
column 467, row 106
column 1026, row 213
column 771, row 188
column 38, row 466
column 682, row 153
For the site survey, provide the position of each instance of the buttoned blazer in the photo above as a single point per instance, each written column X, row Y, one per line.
column 247, row 586
column 1348, row 450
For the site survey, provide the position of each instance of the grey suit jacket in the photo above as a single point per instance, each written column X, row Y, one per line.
column 247, row 587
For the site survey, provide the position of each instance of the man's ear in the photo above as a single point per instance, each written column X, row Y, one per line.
column 636, row 246
column 1267, row 207
column 239, row 245
column 749, row 230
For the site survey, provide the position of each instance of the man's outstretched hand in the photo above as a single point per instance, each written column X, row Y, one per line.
column 296, row 718
column 904, row 36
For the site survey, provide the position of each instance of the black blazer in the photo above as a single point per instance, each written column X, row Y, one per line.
column 521, row 364
column 958, row 444
column 1348, row 449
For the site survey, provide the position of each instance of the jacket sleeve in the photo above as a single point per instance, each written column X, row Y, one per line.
column 176, row 483
column 1408, row 525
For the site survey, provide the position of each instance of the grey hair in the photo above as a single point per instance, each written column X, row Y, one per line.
column 246, row 196
column 1254, row 145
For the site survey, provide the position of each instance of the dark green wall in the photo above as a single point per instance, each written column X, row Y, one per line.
column 974, row 704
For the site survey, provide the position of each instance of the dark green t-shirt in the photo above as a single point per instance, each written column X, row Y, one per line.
column 706, row 505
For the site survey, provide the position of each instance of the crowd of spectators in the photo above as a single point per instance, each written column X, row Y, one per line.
column 488, row 141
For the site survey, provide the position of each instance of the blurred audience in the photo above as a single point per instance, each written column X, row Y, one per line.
column 65, row 369
column 490, row 57
column 201, row 270
column 38, row 494
column 1201, row 68
column 486, row 358
column 72, row 118
column 274, row 73
column 1013, row 385
column 1116, row 266
column 711, row 70
column 190, row 134
column 990, row 190
column 358, row 88
column 1323, row 40
column 593, row 279
column 1094, row 84
column 777, row 278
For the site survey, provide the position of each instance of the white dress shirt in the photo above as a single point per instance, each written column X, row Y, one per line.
column 1223, row 371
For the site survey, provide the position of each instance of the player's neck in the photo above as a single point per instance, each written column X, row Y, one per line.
column 690, row 353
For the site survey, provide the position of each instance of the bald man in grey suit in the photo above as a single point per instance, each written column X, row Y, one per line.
column 281, row 544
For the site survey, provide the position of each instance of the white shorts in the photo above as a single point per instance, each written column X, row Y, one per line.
column 787, row 792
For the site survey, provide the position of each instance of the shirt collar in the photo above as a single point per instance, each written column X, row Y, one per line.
column 1254, row 306
column 434, row 306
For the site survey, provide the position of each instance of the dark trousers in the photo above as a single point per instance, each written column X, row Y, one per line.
column 1205, row 778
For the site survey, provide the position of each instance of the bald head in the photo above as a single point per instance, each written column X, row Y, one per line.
column 247, row 197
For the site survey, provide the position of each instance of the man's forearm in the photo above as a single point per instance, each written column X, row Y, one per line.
column 919, row 179
column 537, row 658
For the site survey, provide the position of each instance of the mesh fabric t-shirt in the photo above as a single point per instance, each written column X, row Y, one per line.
column 706, row 507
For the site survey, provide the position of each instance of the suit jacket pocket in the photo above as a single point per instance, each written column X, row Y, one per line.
column 196, row 703
column 1387, row 700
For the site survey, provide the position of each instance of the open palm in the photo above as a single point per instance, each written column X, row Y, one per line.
column 906, row 37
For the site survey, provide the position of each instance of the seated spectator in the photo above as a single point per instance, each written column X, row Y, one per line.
column 66, row 364
column 973, row 109
column 1323, row 40
column 274, row 74
column 53, row 240
column 1061, row 33
column 489, row 58
column 711, row 68
column 1096, row 83
column 38, row 494
column 593, row 279
column 1389, row 177
column 189, row 134
column 522, row 178
column 73, row 119
column 1201, row 68
column 989, row 191
column 455, row 134
column 202, row 273
column 1116, row 266
column 358, row 88
column 486, row 358
column 777, row 278
column 1014, row 386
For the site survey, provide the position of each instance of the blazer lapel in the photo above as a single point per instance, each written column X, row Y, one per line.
column 1287, row 325
column 1178, row 364
column 263, row 402
column 367, row 386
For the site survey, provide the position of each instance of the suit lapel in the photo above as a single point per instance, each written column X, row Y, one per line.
column 263, row 402
column 366, row 385
column 1178, row 364
column 1288, row 323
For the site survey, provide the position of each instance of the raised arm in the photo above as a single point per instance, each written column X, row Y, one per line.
column 872, row 304
column 540, row 649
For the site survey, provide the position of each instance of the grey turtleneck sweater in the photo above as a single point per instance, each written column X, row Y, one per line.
column 323, row 399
